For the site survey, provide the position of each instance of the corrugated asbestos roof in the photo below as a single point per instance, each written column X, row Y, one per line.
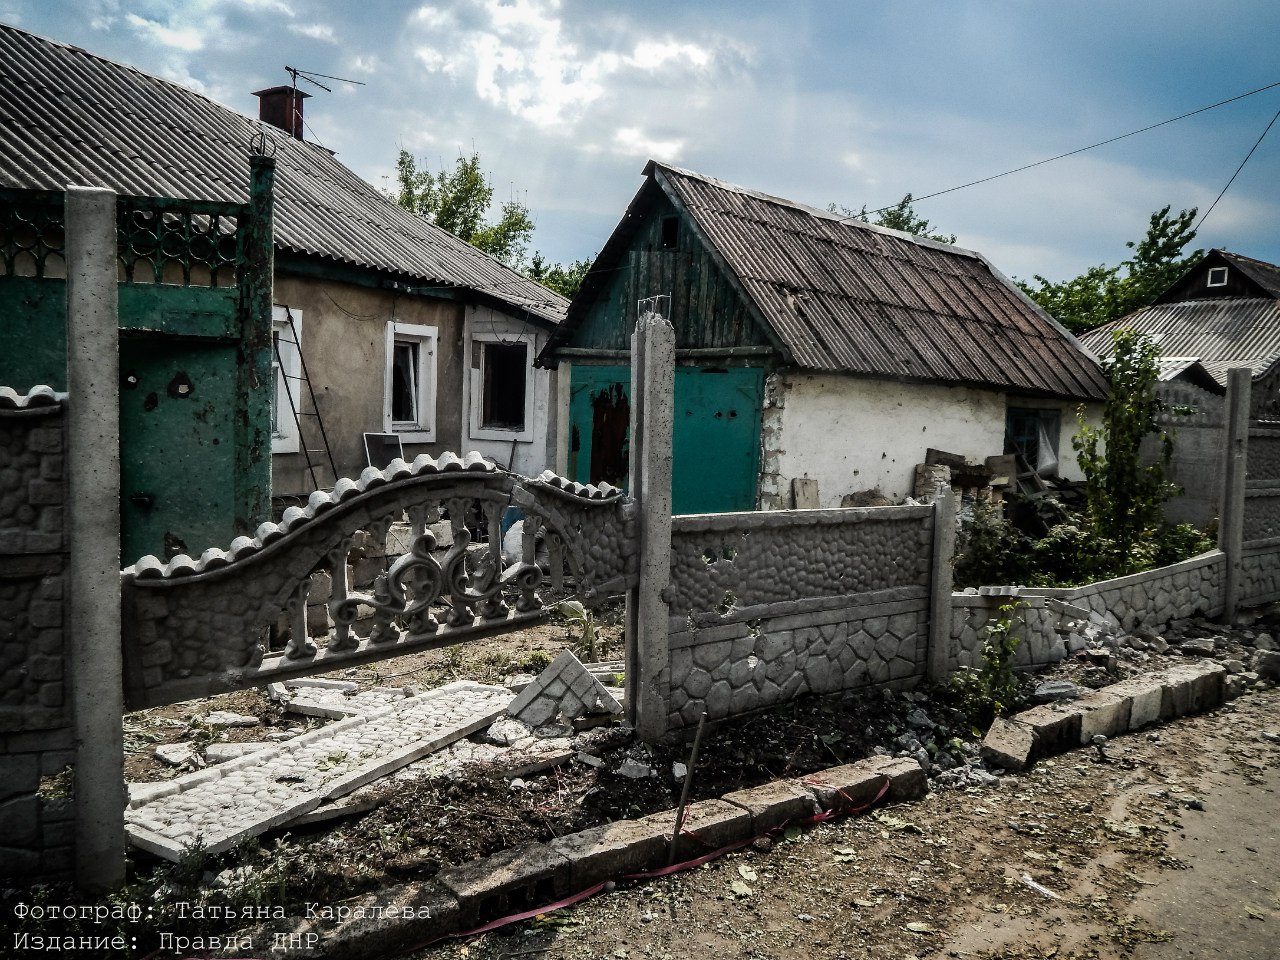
column 69, row 117
column 1222, row 333
column 852, row 298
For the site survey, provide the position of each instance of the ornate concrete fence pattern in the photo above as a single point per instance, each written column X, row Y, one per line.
column 766, row 607
column 35, row 718
column 196, row 627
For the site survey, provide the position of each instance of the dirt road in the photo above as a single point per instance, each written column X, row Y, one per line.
column 1169, row 846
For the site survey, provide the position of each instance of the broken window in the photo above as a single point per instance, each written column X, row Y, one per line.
column 503, row 373
column 1033, row 435
column 286, row 370
column 409, row 396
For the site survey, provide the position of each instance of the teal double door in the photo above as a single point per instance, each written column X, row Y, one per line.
column 716, row 447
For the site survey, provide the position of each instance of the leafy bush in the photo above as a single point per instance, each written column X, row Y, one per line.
column 990, row 690
column 990, row 549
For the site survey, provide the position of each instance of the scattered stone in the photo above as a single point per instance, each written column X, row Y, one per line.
column 1009, row 744
column 1272, row 737
column 176, row 754
column 552, row 731
column 506, row 732
column 919, row 719
column 1201, row 647
column 225, row 718
column 590, row 759
column 1267, row 664
column 922, row 758
column 1055, row 690
column 1264, row 641
column 634, row 770
column 1233, row 666
column 679, row 770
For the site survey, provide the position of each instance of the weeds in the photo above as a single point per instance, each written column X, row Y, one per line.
column 990, row 690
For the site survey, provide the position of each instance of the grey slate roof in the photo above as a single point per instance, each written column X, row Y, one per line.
column 1221, row 332
column 69, row 117
column 849, row 297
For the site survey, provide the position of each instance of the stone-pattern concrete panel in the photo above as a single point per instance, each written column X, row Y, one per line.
column 1195, row 586
column 36, row 830
column 748, row 559
column 1259, row 576
column 1261, row 514
column 739, row 667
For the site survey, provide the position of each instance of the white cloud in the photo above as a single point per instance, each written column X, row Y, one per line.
column 634, row 141
column 316, row 31
column 521, row 57
column 180, row 38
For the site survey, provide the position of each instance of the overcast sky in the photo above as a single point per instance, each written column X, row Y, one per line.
column 845, row 101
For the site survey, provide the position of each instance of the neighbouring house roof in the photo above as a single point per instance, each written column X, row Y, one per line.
column 69, row 117
column 1239, row 327
column 845, row 296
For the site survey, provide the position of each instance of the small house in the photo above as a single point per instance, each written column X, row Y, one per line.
column 809, row 347
column 383, row 323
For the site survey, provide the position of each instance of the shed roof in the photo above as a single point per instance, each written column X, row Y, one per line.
column 70, row 117
column 1221, row 332
column 844, row 296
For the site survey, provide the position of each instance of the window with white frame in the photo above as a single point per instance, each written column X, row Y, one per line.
column 409, row 394
column 501, row 387
column 286, row 370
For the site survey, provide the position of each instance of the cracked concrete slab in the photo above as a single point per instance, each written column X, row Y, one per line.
column 247, row 796
column 565, row 688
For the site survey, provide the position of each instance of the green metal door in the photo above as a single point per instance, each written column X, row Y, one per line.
column 716, row 447
column 177, row 457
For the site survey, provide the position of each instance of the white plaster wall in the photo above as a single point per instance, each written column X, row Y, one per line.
column 527, row 453
column 854, row 433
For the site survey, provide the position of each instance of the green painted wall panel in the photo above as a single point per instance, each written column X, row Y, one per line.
column 33, row 332
column 716, row 446
column 177, row 415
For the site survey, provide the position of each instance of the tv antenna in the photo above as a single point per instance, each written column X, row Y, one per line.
column 310, row 76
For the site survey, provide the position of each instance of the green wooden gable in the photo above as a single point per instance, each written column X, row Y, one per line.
column 659, row 251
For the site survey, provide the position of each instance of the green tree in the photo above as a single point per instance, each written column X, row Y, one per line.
column 1102, row 294
column 457, row 200
column 901, row 216
column 1124, row 496
column 564, row 280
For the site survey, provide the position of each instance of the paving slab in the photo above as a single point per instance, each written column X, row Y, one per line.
column 565, row 688
column 250, row 795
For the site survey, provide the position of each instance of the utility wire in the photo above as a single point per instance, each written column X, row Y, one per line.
column 1237, row 173
column 1072, row 153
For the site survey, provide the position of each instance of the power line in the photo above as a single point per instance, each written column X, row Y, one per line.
column 1238, row 169
column 1072, row 153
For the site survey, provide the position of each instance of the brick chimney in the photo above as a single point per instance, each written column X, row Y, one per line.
column 282, row 107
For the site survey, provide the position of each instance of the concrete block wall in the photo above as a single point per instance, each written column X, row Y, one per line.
column 36, row 828
column 766, row 607
column 1185, row 589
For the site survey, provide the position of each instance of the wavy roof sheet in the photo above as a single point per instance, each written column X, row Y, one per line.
column 848, row 297
column 1222, row 332
column 67, row 116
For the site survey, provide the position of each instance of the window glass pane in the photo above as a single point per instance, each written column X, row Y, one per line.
column 404, row 382
column 504, row 385
column 278, row 395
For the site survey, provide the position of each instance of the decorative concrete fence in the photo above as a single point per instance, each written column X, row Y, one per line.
column 36, row 738
column 1153, row 597
column 767, row 607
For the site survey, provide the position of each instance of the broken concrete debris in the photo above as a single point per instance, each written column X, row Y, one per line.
column 564, row 689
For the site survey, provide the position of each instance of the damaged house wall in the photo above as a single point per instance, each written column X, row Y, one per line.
column 885, row 427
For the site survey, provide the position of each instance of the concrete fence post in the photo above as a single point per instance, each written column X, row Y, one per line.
column 648, row 672
column 1231, row 528
column 93, row 520
column 940, row 581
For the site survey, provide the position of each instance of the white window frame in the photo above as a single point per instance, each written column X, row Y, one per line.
column 477, row 384
column 286, row 371
column 423, row 429
column 1217, row 277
